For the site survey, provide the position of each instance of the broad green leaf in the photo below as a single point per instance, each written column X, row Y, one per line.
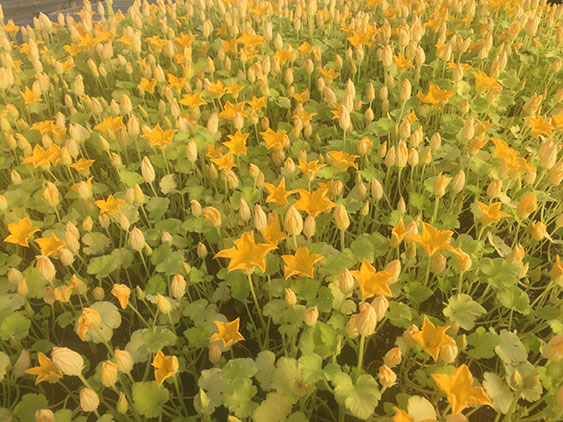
column 148, row 398
column 463, row 310
column 265, row 365
column 96, row 243
column 15, row 324
column 63, row 415
column 239, row 368
column 213, row 384
column 102, row 266
column 400, row 314
column 499, row 393
column 421, row 409
column 483, row 343
column 510, row 349
column 359, row 398
column 238, row 397
column 28, row 405
column 285, row 375
column 157, row 207
column 515, row 299
column 275, row 408
column 311, row 368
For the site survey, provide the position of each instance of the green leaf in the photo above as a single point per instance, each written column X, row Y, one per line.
column 102, row 266
column 265, row 368
column 96, row 243
column 239, row 368
column 167, row 261
column 148, row 398
column 515, row 299
column 360, row 398
column 4, row 363
column 421, row 409
column 157, row 207
column 156, row 338
column 499, row 272
column 28, row 405
column 213, row 384
column 275, row 408
column 238, row 397
column 499, row 393
column 63, row 415
column 16, row 325
column 382, row 127
column 130, row 178
column 417, row 292
column 483, row 344
column 463, row 310
column 285, row 375
column 311, row 368
column 510, row 349
column 400, row 315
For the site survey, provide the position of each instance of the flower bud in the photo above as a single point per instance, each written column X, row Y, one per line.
column 438, row 263
column 376, row 189
column 406, row 90
column 163, row 304
column 45, row 267
column 68, row 361
column 408, row 335
column 448, row 352
column 214, row 354
column 366, row 320
column 394, row 267
column 122, row 405
column 386, row 376
column 293, row 221
column 22, row 363
column 137, row 239
column 435, row 142
column 44, row 415
column 178, row 286
column 147, row 170
column 393, row 357
column 380, row 304
column 109, row 373
column 212, row 215
column 440, row 185
column 311, row 316
column 458, row 182
column 123, row 360
column 98, row 293
column 244, row 210
column 539, row 231
column 22, row 288
column 289, row 297
column 260, row 219
column 89, row 400
column 341, row 218
column 527, row 205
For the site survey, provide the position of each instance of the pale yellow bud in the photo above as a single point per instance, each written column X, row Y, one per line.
column 45, row 267
column 260, row 219
column 214, row 354
column 137, row 239
column 89, row 400
column 163, row 304
column 386, row 376
column 449, row 352
column 366, row 320
column 393, row 357
column 293, row 221
column 289, row 297
column 109, row 373
column 123, row 360
column 178, row 286
column 201, row 250
column 311, row 316
column 341, row 217
column 22, row 363
column 122, row 405
column 380, row 304
column 244, row 210
column 44, row 415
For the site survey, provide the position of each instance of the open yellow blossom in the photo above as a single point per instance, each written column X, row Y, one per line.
column 228, row 332
column 372, row 282
column 46, row 371
column 246, row 254
column 165, row 366
column 50, row 245
column 30, row 97
column 110, row 205
column 491, row 213
column 21, row 232
column 157, row 136
column 435, row 96
column 432, row 240
column 301, row 263
column 432, row 338
column 278, row 194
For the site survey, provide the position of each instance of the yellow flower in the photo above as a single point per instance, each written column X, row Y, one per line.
column 228, row 332
column 485, row 82
column 225, row 161
column 257, row 103
column 329, row 74
column 276, row 140
column 192, row 100
column 11, row 28
column 46, row 371
column 185, row 40
column 491, row 213
column 165, row 366
column 540, row 126
column 402, row 62
column 39, row 158
column 398, row 233
column 237, row 143
column 460, row 391
column 342, row 160
column 30, row 97
column 230, row 110
column 246, row 254
column 372, row 282
column 50, row 245
column 122, row 293
column 435, row 96
column 278, row 194
column 110, row 126
column 176, row 82
column 432, row 240
column 432, row 338
column 310, row 168
column 157, row 136
column 21, row 232
column 313, row 203
column 217, row 89
column 90, row 318
column 301, row 263
column 82, row 165
column 156, row 43
column 147, row 86
column 110, row 205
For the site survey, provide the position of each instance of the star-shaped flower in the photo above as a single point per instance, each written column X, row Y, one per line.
column 246, row 254
column 372, row 282
column 110, row 205
column 30, row 97
column 435, row 96
column 50, row 245
column 147, row 86
column 193, row 100
column 230, row 110
column 398, row 233
column 491, row 213
column 432, row 240
column 46, row 371
column 157, row 136
column 301, row 263
column 540, row 126
column 82, row 165
column 275, row 139
column 277, row 194
column 165, row 366
column 432, row 338
column 110, row 125
column 228, row 332
column 342, row 160
column 39, row 158
column 484, row 82
column 21, row 232
column 257, row 103
column 313, row 203
column 237, row 143
column 310, row 168
column 225, row 161
column 460, row 391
